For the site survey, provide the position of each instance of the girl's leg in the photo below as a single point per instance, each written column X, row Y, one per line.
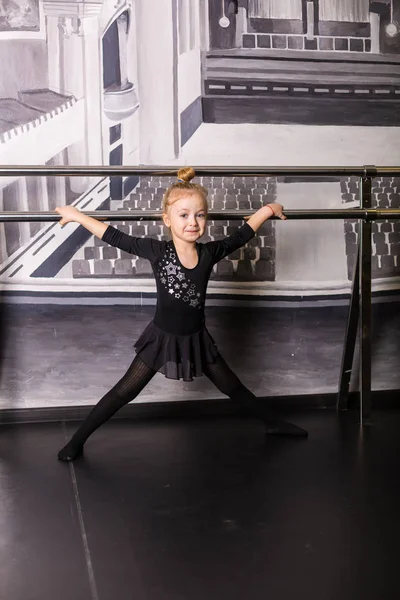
column 228, row 383
column 132, row 383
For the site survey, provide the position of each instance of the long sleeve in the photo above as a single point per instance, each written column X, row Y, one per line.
column 222, row 248
column 149, row 248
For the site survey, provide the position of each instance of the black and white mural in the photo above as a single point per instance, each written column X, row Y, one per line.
column 320, row 62
column 19, row 15
column 198, row 82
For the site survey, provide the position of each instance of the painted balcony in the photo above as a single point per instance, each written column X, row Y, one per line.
column 120, row 102
column 38, row 125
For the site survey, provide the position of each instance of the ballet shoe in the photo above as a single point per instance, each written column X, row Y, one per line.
column 70, row 452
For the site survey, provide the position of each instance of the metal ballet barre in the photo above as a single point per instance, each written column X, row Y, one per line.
column 359, row 316
column 237, row 215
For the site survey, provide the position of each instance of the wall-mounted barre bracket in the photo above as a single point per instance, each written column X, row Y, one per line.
column 360, row 309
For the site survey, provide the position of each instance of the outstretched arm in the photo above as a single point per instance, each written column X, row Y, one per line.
column 144, row 247
column 263, row 214
column 221, row 248
column 70, row 214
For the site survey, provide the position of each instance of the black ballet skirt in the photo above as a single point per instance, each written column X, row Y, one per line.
column 176, row 356
column 176, row 342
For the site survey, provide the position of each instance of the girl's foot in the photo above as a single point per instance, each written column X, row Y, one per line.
column 70, row 452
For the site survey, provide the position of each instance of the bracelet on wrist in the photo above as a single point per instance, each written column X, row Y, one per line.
column 271, row 209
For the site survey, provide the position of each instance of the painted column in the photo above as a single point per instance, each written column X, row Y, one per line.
column 375, row 21
column 3, row 248
column 32, row 184
column 122, row 25
column 205, row 25
column 73, row 83
column 43, row 193
column 53, row 54
column 59, row 182
column 157, row 80
column 75, row 68
column 23, row 205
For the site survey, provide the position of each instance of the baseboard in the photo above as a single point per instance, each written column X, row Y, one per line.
column 385, row 399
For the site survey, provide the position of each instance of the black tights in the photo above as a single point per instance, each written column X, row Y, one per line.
column 229, row 384
column 132, row 383
column 138, row 376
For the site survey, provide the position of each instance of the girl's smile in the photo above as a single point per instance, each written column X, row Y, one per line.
column 187, row 218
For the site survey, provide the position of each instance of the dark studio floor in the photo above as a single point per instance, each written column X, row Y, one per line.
column 202, row 509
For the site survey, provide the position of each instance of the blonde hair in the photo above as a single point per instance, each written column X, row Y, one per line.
column 183, row 187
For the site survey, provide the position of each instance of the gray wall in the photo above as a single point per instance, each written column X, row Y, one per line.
column 23, row 66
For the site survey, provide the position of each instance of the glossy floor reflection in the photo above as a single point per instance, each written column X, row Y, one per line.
column 202, row 509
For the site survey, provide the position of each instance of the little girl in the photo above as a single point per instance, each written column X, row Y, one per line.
column 176, row 342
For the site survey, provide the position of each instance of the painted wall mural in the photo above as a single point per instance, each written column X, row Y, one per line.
column 245, row 82
column 19, row 15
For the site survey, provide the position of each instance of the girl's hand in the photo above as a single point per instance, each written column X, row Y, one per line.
column 69, row 214
column 278, row 210
column 263, row 214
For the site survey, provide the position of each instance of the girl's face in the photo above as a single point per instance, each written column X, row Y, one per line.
column 187, row 217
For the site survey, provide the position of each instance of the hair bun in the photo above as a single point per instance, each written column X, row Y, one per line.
column 186, row 174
